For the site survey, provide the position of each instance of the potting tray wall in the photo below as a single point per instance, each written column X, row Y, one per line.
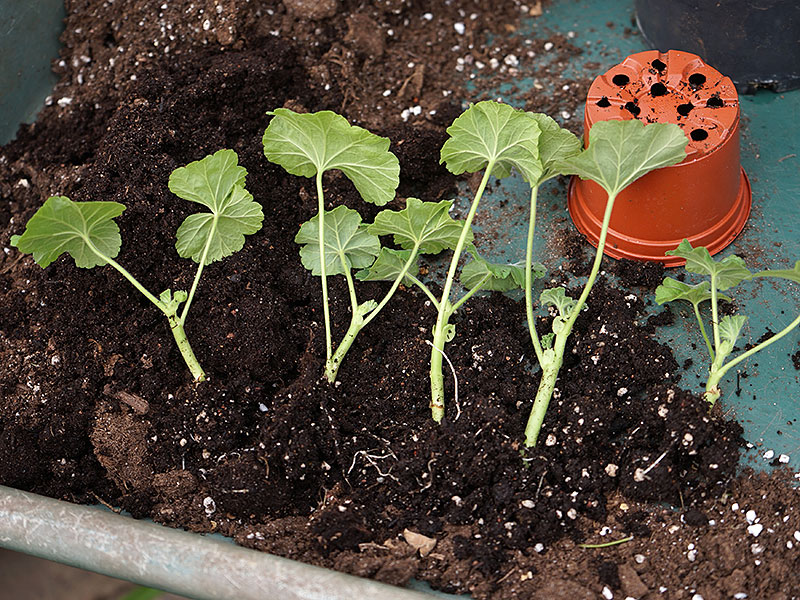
column 765, row 399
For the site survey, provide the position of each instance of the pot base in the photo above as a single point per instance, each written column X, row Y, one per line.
column 619, row 245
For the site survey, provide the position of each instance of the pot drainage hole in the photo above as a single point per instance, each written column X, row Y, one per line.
column 603, row 102
column 658, row 89
column 658, row 65
column 698, row 135
column 632, row 108
column 697, row 79
column 620, row 79
column 685, row 109
column 715, row 102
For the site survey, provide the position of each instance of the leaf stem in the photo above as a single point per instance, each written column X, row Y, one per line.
column 356, row 324
column 323, row 274
column 434, row 300
column 715, row 311
column 437, row 380
column 477, row 288
column 199, row 272
column 176, row 326
column 711, row 352
column 716, row 375
column 537, row 346
column 411, row 258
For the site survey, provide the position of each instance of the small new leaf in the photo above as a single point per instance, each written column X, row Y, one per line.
column 791, row 274
column 729, row 329
column 493, row 132
column 728, row 272
column 496, row 277
column 620, row 152
column 671, row 290
column 347, row 243
column 81, row 229
column 558, row 297
column 388, row 266
column 555, row 145
column 427, row 224
column 216, row 182
column 307, row 144
column 172, row 301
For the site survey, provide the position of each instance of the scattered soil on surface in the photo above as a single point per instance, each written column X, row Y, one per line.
column 97, row 404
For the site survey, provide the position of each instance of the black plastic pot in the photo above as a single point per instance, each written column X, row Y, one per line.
column 757, row 44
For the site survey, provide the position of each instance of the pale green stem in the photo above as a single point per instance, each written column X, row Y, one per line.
column 437, row 380
column 412, row 257
column 469, row 294
column 711, row 352
column 174, row 322
column 356, row 323
column 323, row 275
column 199, row 271
column 607, row 544
column 551, row 366
column 714, row 311
column 537, row 346
column 186, row 349
column 716, row 375
column 434, row 300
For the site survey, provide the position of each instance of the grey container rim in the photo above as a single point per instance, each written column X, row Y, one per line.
column 169, row 559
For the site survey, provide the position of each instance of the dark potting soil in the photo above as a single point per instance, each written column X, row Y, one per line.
column 97, row 405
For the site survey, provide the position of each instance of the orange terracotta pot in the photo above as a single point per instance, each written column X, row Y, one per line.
column 706, row 198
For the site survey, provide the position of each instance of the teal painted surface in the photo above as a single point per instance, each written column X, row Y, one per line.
column 29, row 33
column 767, row 400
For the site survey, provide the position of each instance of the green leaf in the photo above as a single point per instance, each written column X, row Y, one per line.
column 216, row 182
column 493, row 132
column 388, row 266
column 728, row 272
column 345, row 238
column 791, row 274
column 671, row 290
column 555, row 145
column 620, row 152
column 307, row 144
column 428, row 224
column 499, row 277
column 61, row 225
column 558, row 297
column 729, row 329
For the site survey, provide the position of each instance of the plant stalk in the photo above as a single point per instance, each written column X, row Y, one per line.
column 186, row 349
column 199, row 272
column 356, row 323
column 323, row 274
column 537, row 346
column 437, row 380
column 551, row 367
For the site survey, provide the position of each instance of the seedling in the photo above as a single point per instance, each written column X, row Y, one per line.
column 307, row 145
column 492, row 137
column 87, row 232
column 723, row 275
column 555, row 144
column 619, row 152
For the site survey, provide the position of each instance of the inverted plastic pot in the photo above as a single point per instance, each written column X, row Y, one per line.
column 754, row 43
column 169, row 559
column 706, row 198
